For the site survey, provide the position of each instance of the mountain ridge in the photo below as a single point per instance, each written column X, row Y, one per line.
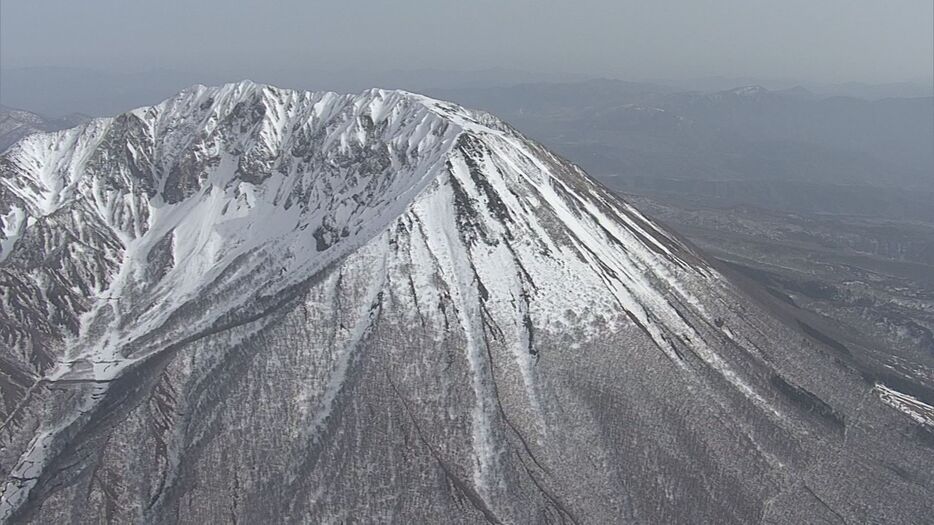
column 352, row 255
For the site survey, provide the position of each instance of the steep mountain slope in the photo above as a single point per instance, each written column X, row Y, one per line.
column 16, row 124
column 253, row 304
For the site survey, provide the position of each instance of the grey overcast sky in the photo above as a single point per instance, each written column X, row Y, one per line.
column 814, row 40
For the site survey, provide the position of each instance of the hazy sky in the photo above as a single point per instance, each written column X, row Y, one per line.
column 814, row 40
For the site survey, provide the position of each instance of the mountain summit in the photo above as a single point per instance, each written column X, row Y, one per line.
column 251, row 304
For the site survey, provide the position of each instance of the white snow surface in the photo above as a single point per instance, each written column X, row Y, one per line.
column 911, row 406
column 243, row 191
column 272, row 221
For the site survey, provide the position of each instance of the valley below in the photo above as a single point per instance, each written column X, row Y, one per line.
column 872, row 278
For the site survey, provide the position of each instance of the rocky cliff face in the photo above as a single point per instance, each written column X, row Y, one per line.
column 251, row 304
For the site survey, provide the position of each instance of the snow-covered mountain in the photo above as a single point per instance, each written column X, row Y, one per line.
column 16, row 124
column 261, row 305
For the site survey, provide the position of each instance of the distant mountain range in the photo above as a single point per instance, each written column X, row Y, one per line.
column 58, row 91
column 16, row 124
column 776, row 149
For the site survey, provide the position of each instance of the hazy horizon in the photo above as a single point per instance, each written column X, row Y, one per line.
column 803, row 42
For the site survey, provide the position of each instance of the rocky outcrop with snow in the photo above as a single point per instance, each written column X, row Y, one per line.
column 255, row 304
